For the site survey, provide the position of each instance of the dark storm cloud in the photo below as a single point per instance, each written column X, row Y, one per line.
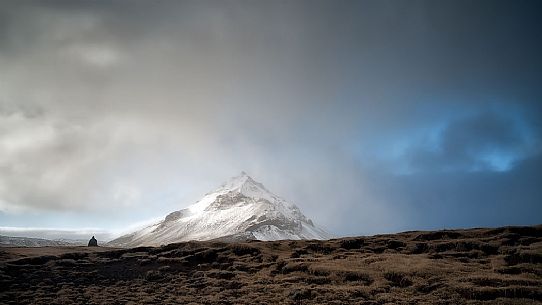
column 358, row 111
column 487, row 141
column 480, row 198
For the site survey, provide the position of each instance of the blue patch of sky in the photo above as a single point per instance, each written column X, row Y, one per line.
column 425, row 131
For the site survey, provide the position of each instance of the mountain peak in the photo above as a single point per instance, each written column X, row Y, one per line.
column 243, row 182
column 242, row 177
column 241, row 207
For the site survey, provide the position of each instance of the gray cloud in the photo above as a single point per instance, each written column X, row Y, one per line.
column 145, row 107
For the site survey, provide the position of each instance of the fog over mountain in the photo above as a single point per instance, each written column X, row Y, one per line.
column 371, row 116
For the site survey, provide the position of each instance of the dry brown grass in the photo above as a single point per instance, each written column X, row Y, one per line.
column 478, row 266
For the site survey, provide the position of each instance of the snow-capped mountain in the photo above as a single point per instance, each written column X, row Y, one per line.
column 241, row 209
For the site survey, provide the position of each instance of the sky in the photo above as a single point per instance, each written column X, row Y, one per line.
column 371, row 116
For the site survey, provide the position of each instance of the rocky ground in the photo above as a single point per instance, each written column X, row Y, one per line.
column 477, row 266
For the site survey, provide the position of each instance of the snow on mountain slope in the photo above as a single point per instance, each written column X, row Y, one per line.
column 238, row 210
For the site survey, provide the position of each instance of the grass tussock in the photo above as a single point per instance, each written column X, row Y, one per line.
column 398, row 279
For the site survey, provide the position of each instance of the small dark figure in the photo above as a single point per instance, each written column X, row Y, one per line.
column 93, row 242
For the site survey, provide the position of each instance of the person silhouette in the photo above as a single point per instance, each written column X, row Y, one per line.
column 93, row 242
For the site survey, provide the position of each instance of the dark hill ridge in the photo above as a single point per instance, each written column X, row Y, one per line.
column 475, row 266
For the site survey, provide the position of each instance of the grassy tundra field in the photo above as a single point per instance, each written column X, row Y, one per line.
column 474, row 266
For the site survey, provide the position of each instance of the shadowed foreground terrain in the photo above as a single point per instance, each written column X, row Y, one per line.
column 477, row 266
